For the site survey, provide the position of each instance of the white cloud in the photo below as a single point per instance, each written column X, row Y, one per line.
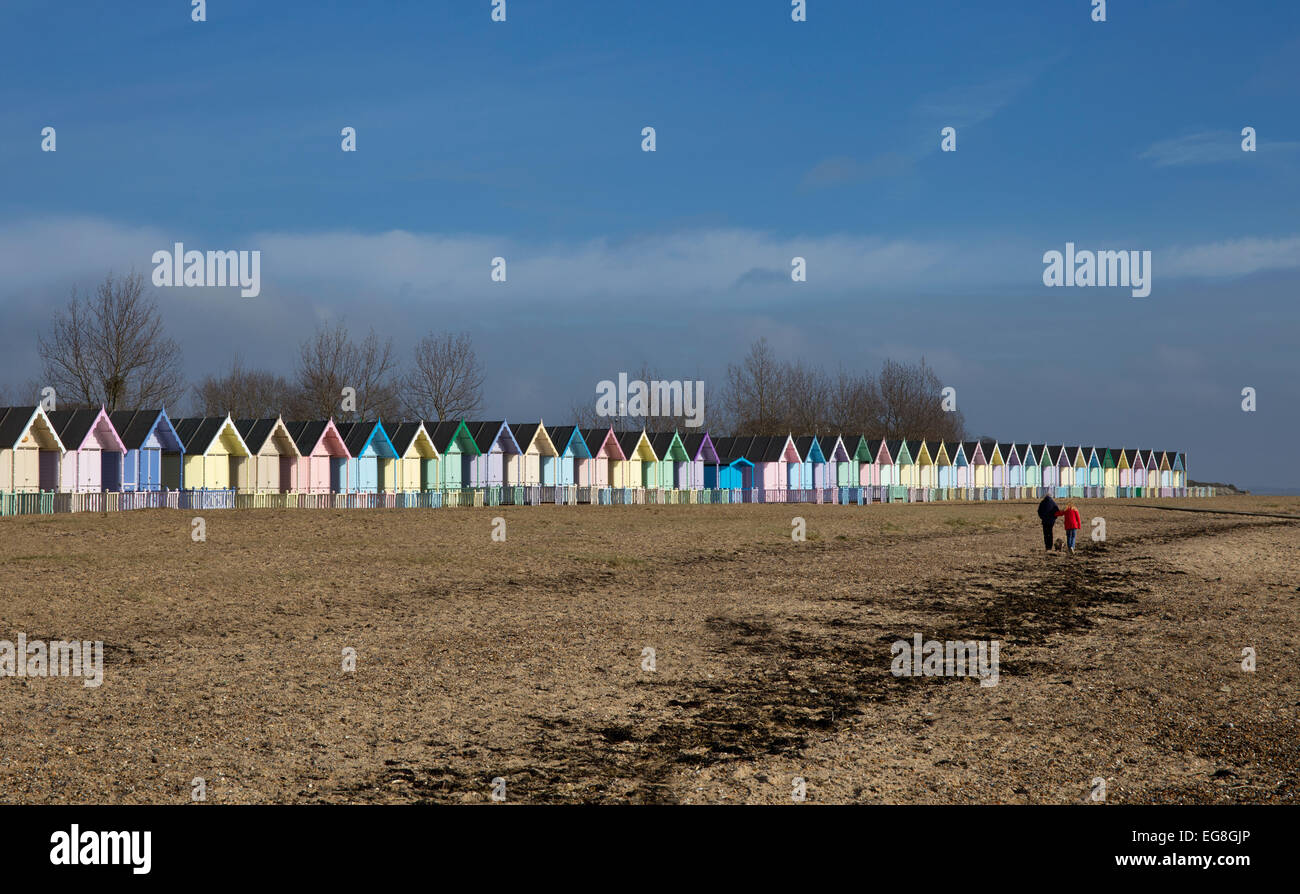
column 1234, row 257
column 1208, row 147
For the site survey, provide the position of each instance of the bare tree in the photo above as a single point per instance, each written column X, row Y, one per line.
column 445, row 380
column 753, row 399
column 912, row 404
column 241, row 392
column 109, row 348
column 330, row 361
column 854, row 404
column 805, row 399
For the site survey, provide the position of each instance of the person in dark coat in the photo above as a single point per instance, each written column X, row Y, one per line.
column 1047, row 512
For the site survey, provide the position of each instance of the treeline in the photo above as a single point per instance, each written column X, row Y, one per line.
column 764, row 395
column 109, row 348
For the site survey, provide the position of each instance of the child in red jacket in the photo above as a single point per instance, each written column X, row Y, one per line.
column 1072, row 522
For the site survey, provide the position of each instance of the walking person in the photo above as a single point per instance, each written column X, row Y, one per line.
column 1047, row 513
column 1072, row 523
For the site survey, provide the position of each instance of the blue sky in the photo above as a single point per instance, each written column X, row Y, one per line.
column 775, row 139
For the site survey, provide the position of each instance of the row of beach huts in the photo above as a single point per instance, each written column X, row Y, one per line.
column 93, row 460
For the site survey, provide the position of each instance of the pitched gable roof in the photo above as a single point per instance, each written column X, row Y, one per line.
column 699, row 446
column 15, row 421
column 135, row 426
column 597, row 438
column 570, row 436
column 75, row 426
column 404, row 435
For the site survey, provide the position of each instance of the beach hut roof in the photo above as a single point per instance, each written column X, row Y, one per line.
column 15, row 422
column 810, row 451
column 571, row 437
column 763, row 448
column 452, row 431
column 496, row 431
column 199, row 433
column 256, row 432
column 668, row 445
column 405, row 435
column 874, row 446
column 135, row 426
column 357, row 436
column 636, row 442
column 74, row 427
column 699, row 446
column 307, row 435
column 731, row 451
column 528, row 433
column 915, row 448
column 597, row 438
column 832, row 447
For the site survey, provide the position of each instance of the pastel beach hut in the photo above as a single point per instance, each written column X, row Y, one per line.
column 734, row 471
column 1032, row 472
column 1128, row 467
column 1165, row 466
column 1093, row 458
column 322, row 457
column 674, row 465
column 30, row 451
column 856, row 445
column 273, row 461
column 702, row 453
column 1079, row 460
column 416, row 469
column 997, row 466
column 572, row 466
column 838, row 461
column 904, row 467
column 372, row 459
column 1109, row 468
column 535, row 465
column 458, row 452
column 942, row 464
column 775, row 461
column 93, row 461
column 1014, row 476
column 923, row 461
column 1179, row 470
column 214, row 452
column 979, row 464
column 1153, row 473
column 877, row 472
column 960, row 467
column 153, row 450
column 606, row 457
column 497, row 449
column 637, row 468
column 1047, row 469
column 1064, row 467
column 812, row 462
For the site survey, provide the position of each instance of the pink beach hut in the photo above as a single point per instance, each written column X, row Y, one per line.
column 93, row 462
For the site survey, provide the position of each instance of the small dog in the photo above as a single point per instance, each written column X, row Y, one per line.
column 1060, row 544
